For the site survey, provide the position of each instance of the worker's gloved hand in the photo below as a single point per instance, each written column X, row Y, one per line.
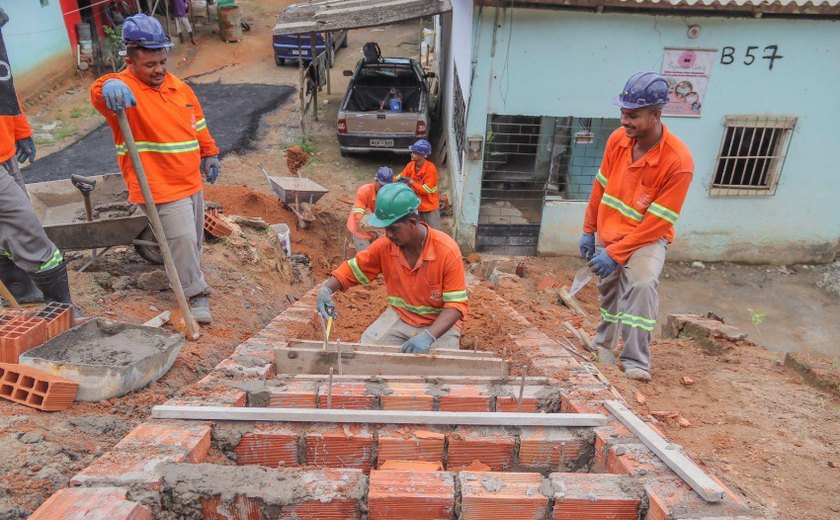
column 117, row 95
column 407, row 180
column 326, row 305
column 602, row 264
column 210, row 168
column 25, row 149
column 587, row 245
column 419, row 344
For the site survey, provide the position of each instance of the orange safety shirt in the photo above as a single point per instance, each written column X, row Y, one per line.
column 365, row 201
column 634, row 204
column 425, row 184
column 418, row 294
column 12, row 129
column 171, row 135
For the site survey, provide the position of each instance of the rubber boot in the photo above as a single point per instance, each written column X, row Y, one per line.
column 53, row 283
column 200, row 309
column 192, row 40
column 18, row 282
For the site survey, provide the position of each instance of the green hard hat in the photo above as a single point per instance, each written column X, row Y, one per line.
column 393, row 202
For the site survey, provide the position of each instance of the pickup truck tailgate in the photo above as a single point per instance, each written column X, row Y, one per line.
column 385, row 123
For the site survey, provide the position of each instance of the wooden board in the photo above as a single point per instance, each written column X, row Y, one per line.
column 387, row 349
column 295, row 361
column 317, row 415
column 690, row 472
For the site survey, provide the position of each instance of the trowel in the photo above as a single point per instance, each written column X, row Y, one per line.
column 582, row 277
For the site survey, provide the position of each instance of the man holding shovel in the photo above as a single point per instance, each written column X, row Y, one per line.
column 174, row 145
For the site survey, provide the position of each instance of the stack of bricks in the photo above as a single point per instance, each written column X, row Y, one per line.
column 59, row 317
column 19, row 334
column 36, row 389
column 80, row 503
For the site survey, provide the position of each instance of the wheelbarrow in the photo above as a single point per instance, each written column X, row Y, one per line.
column 298, row 194
column 93, row 213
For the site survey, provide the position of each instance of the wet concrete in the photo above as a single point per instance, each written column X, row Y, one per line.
column 232, row 111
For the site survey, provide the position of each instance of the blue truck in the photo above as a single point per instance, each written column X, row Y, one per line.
column 290, row 46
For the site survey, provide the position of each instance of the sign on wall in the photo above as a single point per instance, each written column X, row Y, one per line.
column 687, row 72
column 8, row 99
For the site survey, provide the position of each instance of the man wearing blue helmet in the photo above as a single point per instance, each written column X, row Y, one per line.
column 174, row 143
column 636, row 198
column 365, row 204
column 422, row 177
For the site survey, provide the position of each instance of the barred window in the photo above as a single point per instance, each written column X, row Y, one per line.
column 751, row 155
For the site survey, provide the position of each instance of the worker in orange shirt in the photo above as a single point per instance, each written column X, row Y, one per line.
column 365, row 203
column 636, row 198
column 174, row 143
column 424, row 278
column 422, row 176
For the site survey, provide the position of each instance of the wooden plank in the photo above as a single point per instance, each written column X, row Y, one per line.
column 459, row 379
column 317, row 415
column 387, row 349
column 669, row 453
column 316, row 361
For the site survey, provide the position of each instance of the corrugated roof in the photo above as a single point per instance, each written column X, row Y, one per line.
column 829, row 8
column 331, row 15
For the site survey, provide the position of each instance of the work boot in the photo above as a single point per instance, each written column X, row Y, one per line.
column 638, row 374
column 53, row 283
column 18, row 282
column 192, row 41
column 605, row 355
column 200, row 308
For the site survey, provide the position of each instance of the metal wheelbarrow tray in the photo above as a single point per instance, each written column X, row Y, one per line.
column 290, row 188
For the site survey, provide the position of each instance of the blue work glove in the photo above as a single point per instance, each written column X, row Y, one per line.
column 117, row 95
column 587, row 245
column 25, row 150
column 210, row 168
column 326, row 305
column 419, row 344
column 602, row 265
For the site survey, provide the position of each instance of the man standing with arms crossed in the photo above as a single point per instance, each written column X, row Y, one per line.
column 174, row 143
column 636, row 199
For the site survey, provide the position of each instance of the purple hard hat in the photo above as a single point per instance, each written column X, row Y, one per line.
column 144, row 31
column 385, row 175
column 643, row 89
column 422, row 146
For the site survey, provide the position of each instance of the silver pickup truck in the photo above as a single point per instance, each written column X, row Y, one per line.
column 370, row 120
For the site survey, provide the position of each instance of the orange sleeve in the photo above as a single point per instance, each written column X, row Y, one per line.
column 22, row 128
column 404, row 172
column 364, row 267
column 430, row 182
column 205, row 140
column 455, row 294
column 661, row 215
column 590, row 221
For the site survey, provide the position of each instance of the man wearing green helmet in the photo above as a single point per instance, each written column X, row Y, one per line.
column 424, row 277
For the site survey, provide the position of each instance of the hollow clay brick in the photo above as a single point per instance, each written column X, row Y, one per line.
column 19, row 335
column 465, row 398
column 36, row 389
column 270, row 445
column 407, row 396
column 294, row 394
column 345, row 396
column 593, row 496
column 397, row 495
column 215, row 226
column 240, row 508
column 550, row 448
column 493, row 496
column 508, row 399
column 339, row 446
column 59, row 317
column 493, row 447
column 405, row 442
column 89, row 504
column 326, row 509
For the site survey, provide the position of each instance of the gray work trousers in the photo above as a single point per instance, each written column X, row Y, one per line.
column 389, row 329
column 432, row 218
column 629, row 303
column 183, row 225
column 22, row 236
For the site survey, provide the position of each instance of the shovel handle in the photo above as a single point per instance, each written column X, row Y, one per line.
column 157, row 227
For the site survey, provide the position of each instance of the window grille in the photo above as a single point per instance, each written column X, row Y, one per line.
column 751, row 155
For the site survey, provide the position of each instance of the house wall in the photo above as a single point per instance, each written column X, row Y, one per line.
column 37, row 42
column 559, row 63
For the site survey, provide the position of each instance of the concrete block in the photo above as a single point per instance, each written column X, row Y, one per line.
column 396, row 495
column 491, row 496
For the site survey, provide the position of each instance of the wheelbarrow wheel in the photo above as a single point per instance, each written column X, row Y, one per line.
column 148, row 252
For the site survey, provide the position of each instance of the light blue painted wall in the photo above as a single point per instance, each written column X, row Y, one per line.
column 556, row 63
column 34, row 35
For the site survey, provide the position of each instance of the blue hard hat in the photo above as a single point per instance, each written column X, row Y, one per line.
column 643, row 89
column 422, row 146
column 385, row 175
column 144, row 31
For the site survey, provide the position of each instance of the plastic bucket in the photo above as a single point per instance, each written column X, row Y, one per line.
column 396, row 105
column 83, row 31
column 284, row 235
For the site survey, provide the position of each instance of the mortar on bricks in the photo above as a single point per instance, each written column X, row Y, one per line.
column 107, row 358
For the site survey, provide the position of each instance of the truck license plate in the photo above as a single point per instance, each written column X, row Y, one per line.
column 294, row 51
column 382, row 142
